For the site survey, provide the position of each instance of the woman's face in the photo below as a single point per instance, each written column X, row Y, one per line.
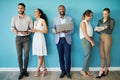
column 37, row 14
column 106, row 14
column 89, row 17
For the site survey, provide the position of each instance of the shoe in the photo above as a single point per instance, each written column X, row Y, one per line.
column 37, row 73
column 62, row 74
column 106, row 72
column 44, row 73
column 69, row 76
column 84, row 74
column 21, row 75
column 26, row 74
column 89, row 73
column 100, row 76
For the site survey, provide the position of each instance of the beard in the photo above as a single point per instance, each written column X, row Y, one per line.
column 62, row 13
column 21, row 12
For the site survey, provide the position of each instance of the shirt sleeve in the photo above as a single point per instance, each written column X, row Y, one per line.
column 112, row 24
column 13, row 24
column 54, row 26
column 31, row 24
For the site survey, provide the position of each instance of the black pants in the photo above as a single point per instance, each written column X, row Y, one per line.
column 23, row 43
column 64, row 50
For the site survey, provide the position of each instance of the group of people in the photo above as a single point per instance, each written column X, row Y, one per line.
column 22, row 25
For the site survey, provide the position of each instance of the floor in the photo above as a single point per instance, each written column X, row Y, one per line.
column 113, row 75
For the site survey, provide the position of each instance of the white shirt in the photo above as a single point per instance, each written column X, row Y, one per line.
column 62, row 20
column 88, row 28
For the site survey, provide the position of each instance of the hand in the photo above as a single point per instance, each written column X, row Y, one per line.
column 55, row 32
column 64, row 31
column 15, row 31
column 92, row 43
column 24, row 32
column 32, row 30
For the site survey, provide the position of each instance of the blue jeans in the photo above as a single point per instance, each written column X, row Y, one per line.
column 87, row 47
column 64, row 50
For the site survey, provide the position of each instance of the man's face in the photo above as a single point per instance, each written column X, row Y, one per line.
column 21, row 9
column 61, row 11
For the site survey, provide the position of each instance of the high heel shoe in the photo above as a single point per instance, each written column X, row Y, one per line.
column 44, row 73
column 106, row 72
column 101, row 75
column 37, row 73
column 84, row 74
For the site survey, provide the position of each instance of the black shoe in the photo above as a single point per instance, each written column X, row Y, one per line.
column 69, row 76
column 62, row 74
column 101, row 75
column 26, row 73
column 106, row 73
column 21, row 75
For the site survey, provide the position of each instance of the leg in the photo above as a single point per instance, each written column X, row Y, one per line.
column 87, row 53
column 44, row 67
column 102, row 54
column 37, row 73
column 67, row 52
column 26, row 45
column 61, row 56
column 108, row 43
column 19, row 47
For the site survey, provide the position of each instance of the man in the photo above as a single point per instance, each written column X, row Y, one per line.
column 20, row 26
column 63, row 42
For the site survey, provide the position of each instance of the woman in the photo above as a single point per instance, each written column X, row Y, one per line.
column 105, row 41
column 86, row 36
column 39, row 43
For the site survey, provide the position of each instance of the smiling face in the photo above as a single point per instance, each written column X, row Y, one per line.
column 61, row 10
column 37, row 13
column 21, row 9
column 89, row 17
column 106, row 14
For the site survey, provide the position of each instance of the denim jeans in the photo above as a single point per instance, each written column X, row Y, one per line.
column 23, row 43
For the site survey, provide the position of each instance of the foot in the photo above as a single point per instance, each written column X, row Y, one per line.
column 37, row 73
column 26, row 73
column 89, row 73
column 101, row 74
column 69, row 76
column 21, row 75
column 62, row 74
column 106, row 72
column 84, row 74
column 44, row 72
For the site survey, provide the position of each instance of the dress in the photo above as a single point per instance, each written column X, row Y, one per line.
column 39, row 43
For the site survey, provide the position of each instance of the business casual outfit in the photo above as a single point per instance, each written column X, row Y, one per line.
column 39, row 43
column 22, row 40
column 63, row 42
column 105, row 41
column 86, row 45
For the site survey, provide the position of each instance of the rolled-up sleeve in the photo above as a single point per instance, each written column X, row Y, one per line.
column 31, row 23
column 12, row 23
column 112, row 24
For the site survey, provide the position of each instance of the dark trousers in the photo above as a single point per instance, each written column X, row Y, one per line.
column 23, row 43
column 64, row 50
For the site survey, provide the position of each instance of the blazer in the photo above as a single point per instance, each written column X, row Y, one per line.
column 68, row 34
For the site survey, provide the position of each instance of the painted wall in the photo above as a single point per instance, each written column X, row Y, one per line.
column 75, row 8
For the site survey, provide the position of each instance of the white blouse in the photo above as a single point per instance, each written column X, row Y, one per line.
column 89, row 30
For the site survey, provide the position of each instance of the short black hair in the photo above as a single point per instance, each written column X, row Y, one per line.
column 22, row 4
column 61, row 6
column 106, row 9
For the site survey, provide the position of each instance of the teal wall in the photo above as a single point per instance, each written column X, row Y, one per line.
column 75, row 8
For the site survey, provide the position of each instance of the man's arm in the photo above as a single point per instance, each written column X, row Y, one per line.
column 13, row 27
